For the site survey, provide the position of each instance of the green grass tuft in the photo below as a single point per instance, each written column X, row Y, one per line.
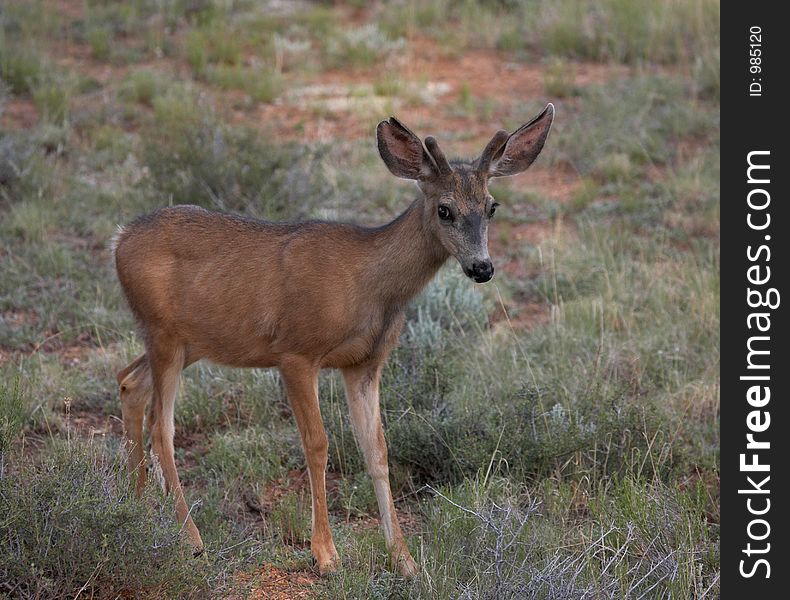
column 20, row 67
column 72, row 525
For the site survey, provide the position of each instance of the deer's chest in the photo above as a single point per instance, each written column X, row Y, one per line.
column 371, row 342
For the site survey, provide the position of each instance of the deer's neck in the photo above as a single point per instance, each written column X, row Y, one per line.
column 406, row 256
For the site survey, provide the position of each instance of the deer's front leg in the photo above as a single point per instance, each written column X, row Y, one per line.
column 301, row 386
column 362, row 391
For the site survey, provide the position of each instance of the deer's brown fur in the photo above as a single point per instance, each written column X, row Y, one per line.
column 302, row 297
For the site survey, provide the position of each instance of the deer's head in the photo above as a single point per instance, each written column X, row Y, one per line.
column 459, row 206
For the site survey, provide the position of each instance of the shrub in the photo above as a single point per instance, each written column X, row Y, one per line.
column 623, row 31
column 634, row 119
column 213, row 44
column 485, row 540
column 361, row 47
column 417, row 378
column 19, row 67
column 290, row 519
column 12, row 417
column 52, row 97
column 215, row 398
column 193, row 159
column 17, row 162
column 100, row 41
column 447, row 317
column 559, row 79
column 196, row 53
column 71, row 524
column 262, row 85
column 252, row 455
column 141, row 86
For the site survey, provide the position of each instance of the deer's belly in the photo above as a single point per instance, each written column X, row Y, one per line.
column 232, row 351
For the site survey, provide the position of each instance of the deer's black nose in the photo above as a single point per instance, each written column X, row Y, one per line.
column 482, row 271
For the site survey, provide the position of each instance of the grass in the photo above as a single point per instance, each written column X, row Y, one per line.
column 64, row 529
column 52, row 98
column 261, row 85
column 194, row 158
column 553, row 434
column 612, row 31
column 624, row 31
column 12, row 408
column 361, row 47
column 19, row 67
column 213, row 44
column 635, row 118
column 100, row 41
column 560, row 79
column 141, row 86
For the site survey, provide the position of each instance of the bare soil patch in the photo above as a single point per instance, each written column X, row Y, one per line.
column 18, row 113
column 273, row 583
column 423, row 66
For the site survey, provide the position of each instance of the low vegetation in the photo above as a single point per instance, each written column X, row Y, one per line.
column 552, row 435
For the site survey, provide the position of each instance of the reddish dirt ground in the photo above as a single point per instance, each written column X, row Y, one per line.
column 18, row 113
column 490, row 76
column 273, row 583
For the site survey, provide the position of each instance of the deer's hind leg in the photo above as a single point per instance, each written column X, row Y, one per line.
column 167, row 360
column 136, row 388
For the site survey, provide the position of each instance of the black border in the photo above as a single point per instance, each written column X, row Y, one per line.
column 752, row 123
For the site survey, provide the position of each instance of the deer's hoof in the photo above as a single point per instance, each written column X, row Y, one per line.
column 329, row 565
column 405, row 565
column 326, row 557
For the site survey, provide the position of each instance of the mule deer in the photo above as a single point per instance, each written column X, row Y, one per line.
column 302, row 297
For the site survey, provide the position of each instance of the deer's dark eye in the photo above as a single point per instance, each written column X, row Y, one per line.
column 492, row 210
column 444, row 213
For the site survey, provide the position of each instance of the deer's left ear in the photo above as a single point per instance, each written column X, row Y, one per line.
column 521, row 147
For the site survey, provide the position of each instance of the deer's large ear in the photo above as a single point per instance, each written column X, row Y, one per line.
column 403, row 152
column 132, row 366
column 508, row 156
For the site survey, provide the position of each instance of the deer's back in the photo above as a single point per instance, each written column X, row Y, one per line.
column 242, row 291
